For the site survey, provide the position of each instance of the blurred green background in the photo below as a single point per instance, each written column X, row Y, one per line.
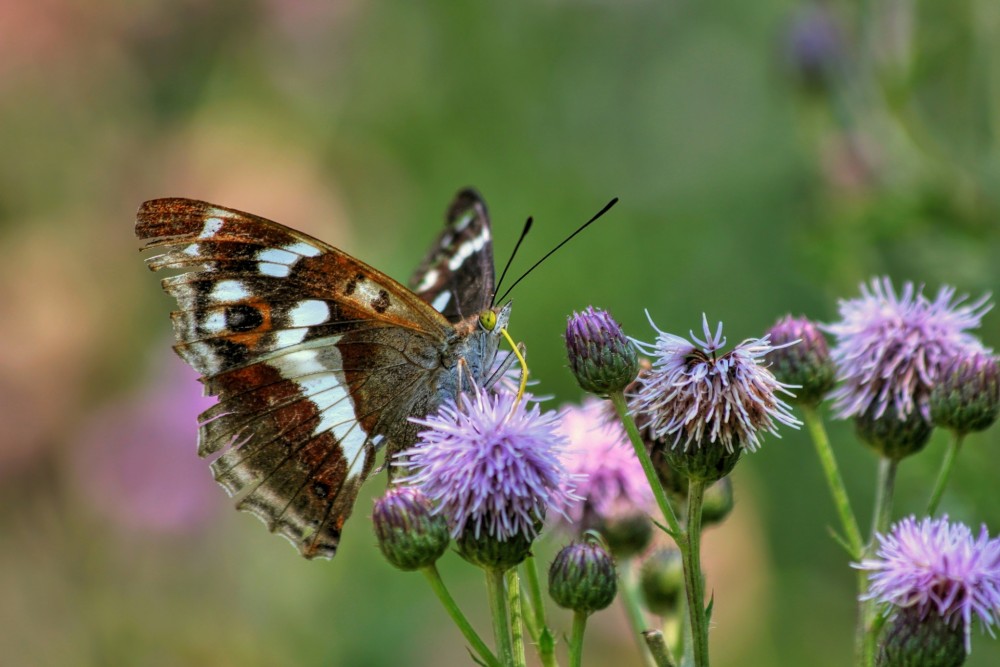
column 769, row 156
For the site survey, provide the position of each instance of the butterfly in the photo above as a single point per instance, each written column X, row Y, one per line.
column 318, row 360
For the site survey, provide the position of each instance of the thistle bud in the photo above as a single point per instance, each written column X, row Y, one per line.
column 814, row 48
column 916, row 638
column 626, row 535
column 966, row 396
column 717, row 502
column 661, row 579
column 806, row 363
column 708, row 462
column 892, row 437
column 601, row 357
column 582, row 578
column 409, row 535
column 479, row 547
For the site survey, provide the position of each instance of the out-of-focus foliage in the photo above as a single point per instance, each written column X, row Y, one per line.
column 769, row 156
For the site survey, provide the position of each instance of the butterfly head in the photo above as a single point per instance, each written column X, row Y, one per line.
column 495, row 319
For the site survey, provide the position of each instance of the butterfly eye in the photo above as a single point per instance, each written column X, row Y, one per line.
column 488, row 319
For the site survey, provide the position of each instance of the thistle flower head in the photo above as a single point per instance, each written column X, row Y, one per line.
column 939, row 568
column 693, row 396
column 602, row 358
column 890, row 349
column 612, row 493
column 490, row 464
column 610, row 481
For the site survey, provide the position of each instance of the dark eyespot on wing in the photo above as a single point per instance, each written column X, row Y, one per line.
column 243, row 317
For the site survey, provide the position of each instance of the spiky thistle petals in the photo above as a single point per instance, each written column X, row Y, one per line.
column 491, row 465
column 890, row 348
column 693, row 396
column 937, row 567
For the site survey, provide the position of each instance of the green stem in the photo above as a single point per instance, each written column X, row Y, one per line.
column 883, row 498
column 434, row 578
column 694, row 585
column 848, row 522
column 545, row 643
column 945, row 473
column 535, row 593
column 576, row 642
column 498, row 609
column 516, row 615
column 633, row 610
column 881, row 515
column 658, row 648
column 618, row 400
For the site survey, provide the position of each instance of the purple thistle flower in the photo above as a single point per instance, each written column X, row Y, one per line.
column 937, row 566
column 890, row 349
column 490, row 463
column 610, row 481
column 693, row 395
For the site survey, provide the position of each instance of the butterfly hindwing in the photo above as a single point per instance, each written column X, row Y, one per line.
column 315, row 356
column 457, row 275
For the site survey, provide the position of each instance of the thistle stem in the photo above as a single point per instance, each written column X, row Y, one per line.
column 838, row 492
column 688, row 539
column 516, row 615
column 868, row 626
column 543, row 637
column 944, row 474
column 694, row 585
column 535, row 592
column 618, row 400
column 658, row 648
column 636, row 619
column 437, row 584
column 882, row 513
column 576, row 642
column 498, row 608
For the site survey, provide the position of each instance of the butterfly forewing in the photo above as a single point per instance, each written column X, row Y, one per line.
column 315, row 357
column 457, row 275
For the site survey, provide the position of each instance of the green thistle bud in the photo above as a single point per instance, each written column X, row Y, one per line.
column 626, row 535
column 491, row 553
column 913, row 638
column 707, row 462
column 892, row 437
column 718, row 502
column 409, row 535
column 582, row 578
column 966, row 396
column 806, row 363
column 601, row 357
column 661, row 579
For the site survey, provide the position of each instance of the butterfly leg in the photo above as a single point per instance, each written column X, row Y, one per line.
column 501, row 371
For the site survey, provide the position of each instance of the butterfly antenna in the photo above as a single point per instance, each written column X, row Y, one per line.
column 607, row 207
column 524, row 232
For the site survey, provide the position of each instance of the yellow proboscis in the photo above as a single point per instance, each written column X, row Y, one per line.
column 488, row 319
column 524, row 365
